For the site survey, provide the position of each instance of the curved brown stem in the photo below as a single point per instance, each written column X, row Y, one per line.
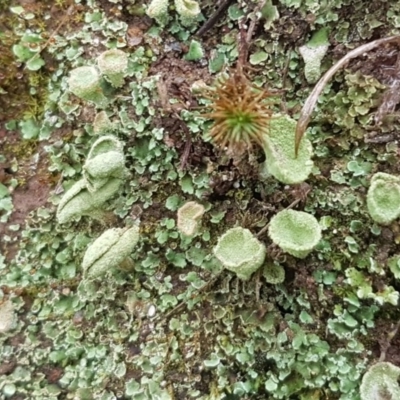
column 306, row 111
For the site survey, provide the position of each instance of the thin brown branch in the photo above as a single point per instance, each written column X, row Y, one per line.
column 188, row 146
column 389, row 338
column 214, row 18
column 183, row 304
column 294, row 203
column 68, row 14
column 305, row 114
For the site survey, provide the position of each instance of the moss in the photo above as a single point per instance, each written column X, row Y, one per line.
column 18, row 101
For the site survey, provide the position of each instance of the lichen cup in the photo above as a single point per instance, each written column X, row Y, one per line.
column 380, row 378
column 113, row 64
column 109, row 251
column 85, row 82
column 295, row 232
column 383, row 198
column 240, row 252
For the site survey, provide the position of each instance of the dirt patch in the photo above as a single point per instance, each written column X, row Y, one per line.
column 34, row 183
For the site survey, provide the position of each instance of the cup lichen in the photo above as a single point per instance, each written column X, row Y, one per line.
column 103, row 173
column 383, row 198
column 240, row 252
column 189, row 218
column 281, row 160
column 109, row 250
column 85, row 82
column 380, row 382
column 79, row 201
column 105, row 161
column 113, row 65
column 295, row 232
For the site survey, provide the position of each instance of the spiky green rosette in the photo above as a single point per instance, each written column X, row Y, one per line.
column 240, row 111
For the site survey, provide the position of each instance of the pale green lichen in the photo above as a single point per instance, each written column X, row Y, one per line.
column 240, row 252
column 102, row 124
column 103, row 145
column 105, row 161
column 103, row 173
column 99, row 169
column 7, row 316
column 85, row 82
column 295, row 232
column 269, row 14
column 189, row 216
column 79, row 201
column 273, row 273
column 281, row 161
column 188, row 11
column 313, row 52
column 380, row 382
column 109, row 250
column 383, row 198
column 158, row 9
column 113, row 64
column 195, row 52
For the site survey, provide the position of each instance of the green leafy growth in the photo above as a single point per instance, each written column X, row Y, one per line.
column 158, row 9
column 295, row 232
column 319, row 38
column 273, row 273
column 189, row 218
column 6, row 204
column 240, row 252
column 102, row 124
column 79, row 201
column 281, row 161
column 394, row 266
column 29, row 129
column 363, row 286
column 195, row 52
column 380, row 382
column 216, row 63
column 27, row 50
column 85, row 82
column 113, row 64
column 109, row 250
column 105, row 161
column 188, row 11
column 258, row 58
column 235, row 12
column 383, row 198
column 269, row 13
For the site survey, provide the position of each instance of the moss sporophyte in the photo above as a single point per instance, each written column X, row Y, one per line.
column 241, row 112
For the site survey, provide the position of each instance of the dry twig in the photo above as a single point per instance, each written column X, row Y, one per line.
column 305, row 114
